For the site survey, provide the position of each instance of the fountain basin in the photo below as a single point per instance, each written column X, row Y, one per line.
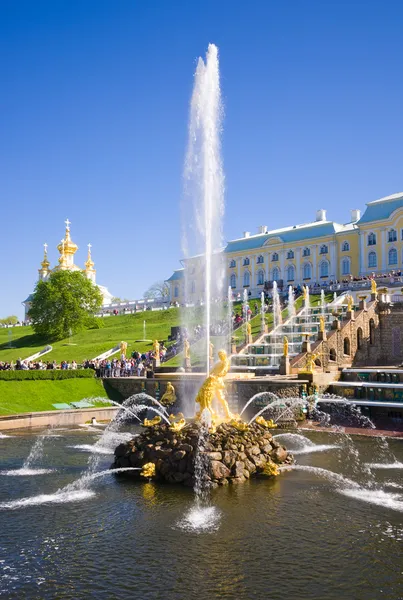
column 229, row 455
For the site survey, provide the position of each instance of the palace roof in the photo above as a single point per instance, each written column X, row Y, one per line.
column 176, row 275
column 382, row 208
column 295, row 233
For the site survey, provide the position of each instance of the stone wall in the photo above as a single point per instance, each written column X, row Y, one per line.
column 389, row 335
column 238, row 391
column 355, row 340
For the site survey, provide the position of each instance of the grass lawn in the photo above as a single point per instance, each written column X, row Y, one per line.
column 92, row 342
column 31, row 396
column 129, row 328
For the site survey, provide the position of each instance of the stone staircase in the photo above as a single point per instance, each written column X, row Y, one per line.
column 263, row 356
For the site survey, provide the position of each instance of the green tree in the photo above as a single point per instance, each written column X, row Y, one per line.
column 65, row 303
column 11, row 320
column 159, row 290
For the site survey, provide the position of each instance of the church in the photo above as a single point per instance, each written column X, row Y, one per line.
column 67, row 249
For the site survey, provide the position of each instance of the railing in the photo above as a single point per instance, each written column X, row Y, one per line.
column 365, row 284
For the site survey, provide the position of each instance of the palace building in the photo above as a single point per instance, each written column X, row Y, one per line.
column 312, row 253
column 67, row 249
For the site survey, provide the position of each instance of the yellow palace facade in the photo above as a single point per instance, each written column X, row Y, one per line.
column 317, row 252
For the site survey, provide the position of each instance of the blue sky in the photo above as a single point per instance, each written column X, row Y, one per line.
column 93, row 120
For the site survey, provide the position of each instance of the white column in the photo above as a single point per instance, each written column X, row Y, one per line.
column 363, row 264
column 252, row 274
column 282, row 265
column 314, row 265
column 298, row 265
column 267, row 259
column 239, row 286
column 383, row 250
column 333, row 269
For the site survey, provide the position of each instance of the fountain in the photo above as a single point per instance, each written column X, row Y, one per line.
column 291, row 302
column 204, row 183
column 277, row 318
column 262, row 313
column 322, row 302
column 229, row 318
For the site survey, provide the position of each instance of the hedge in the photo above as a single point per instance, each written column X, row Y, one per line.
column 51, row 374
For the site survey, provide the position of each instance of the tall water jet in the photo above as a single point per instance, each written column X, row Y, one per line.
column 306, row 299
column 229, row 318
column 277, row 318
column 262, row 305
column 322, row 302
column 291, row 302
column 204, row 187
column 245, row 310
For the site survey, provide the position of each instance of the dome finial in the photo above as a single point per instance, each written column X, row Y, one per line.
column 89, row 264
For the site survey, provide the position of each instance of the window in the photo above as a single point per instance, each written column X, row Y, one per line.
column 372, row 262
column 346, row 346
column 274, row 257
column 176, row 291
column 345, row 266
column 260, row 278
column 232, row 264
column 392, row 256
column 306, row 271
column 345, row 247
column 324, row 269
column 332, row 354
column 246, row 262
column 392, row 235
column 371, row 239
column 290, row 273
column 233, row 281
column 290, row 254
column 306, row 252
column 246, row 279
column 323, row 249
column 260, row 260
column 276, row 274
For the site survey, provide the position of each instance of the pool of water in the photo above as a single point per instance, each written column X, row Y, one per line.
column 330, row 529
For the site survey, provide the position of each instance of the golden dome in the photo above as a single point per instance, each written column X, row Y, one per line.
column 45, row 264
column 67, row 246
column 89, row 263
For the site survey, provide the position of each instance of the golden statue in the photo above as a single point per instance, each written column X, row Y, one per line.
column 148, row 470
column 285, row 346
column 350, row 302
column 152, row 422
column 176, row 417
column 214, row 386
column 239, row 425
column 211, row 352
column 123, row 348
column 169, row 397
column 178, row 426
column 321, row 324
column 373, row 286
column 270, row 424
column 186, row 348
column 156, row 348
column 310, row 362
column 248, row 328
column 305, row 292
column 271, row 469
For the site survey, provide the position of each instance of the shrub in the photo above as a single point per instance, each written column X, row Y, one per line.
column 51, row 374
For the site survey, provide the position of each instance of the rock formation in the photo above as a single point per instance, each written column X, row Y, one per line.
column 229, row 455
